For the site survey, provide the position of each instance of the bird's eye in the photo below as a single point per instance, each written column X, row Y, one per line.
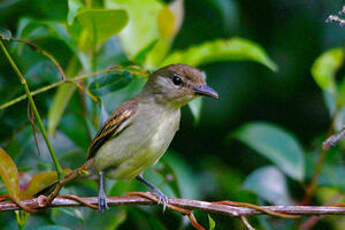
column 177, row 80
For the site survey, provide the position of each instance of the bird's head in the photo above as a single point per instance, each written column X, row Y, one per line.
column 178, row 84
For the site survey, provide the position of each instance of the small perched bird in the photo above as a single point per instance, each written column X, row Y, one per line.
column 138, row 133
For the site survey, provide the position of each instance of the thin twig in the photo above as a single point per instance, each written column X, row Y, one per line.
column 259, row 208
column 246, row 223
column 35, row 47
column 113, row 69
column 34, row 108
column 31, row 117
column 182, row 203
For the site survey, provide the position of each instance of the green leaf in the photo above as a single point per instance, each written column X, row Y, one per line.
column 142, row 28
column 101, row 24
column 121, row 187
column 145, row 220
column 74, row 7
column 325, row 67
column 235, row 49
column 269, row 184
column 339, row 121
column 330, row 102
column 177, row 9
column 60, row 101
column 195, row 107
column 189, row 184
column 107, row 83
column 32, row 29
column 53, row 227
column 211, row 223
column 332, row 175
column 141, row 56
column 275, row 144
column 170, row 177
column 5, row 34
column 61, row 98
column 166, row 29
column 39, row 182
column 169, row 22
column 340, row 97
column 111, row 219
column 9, row 175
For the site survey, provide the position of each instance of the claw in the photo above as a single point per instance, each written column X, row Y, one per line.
column 162, row 198
column 102, row 198
column 102, row 202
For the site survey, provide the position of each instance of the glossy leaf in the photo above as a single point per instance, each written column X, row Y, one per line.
column 269, row 184
column 61, row 99
column 340, row 97
column 235, row 49
column 53, row 227
column 74, row 6
column 145, row 220
column 225, row 179
column 166, row 23
column 32, row 29
column 68, row 216
column 325, row 67
column 107, row 83
column 141, row 56
column 111, row 219
column 5, row 34
column 339, row 121
column 169, row 21
column 40, row 72
column 211, row 223
column 333, row 176
column 195, row 107
column 184, row 176
column 177, row 9
column 275, row 144
column 9, row 175
column 330, row 102
column 101, row 24
column 142, row 28
column 39, row 182
column 170, row 177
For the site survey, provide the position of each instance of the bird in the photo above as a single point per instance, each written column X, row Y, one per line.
column 139, row 131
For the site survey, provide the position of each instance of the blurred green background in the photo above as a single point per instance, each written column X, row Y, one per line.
column 276, row 65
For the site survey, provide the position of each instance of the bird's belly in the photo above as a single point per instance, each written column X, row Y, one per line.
column 130, row 153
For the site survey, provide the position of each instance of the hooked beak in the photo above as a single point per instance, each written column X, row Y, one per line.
column 205, row 90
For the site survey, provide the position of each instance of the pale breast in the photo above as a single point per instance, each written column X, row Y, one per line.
column 141, row 144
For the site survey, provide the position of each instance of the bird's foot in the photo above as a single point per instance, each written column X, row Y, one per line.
column 162, row 198
column 102, row 202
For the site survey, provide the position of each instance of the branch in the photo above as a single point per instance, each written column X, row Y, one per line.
column 112, row 69
column 124, row 200
column 34, row 108
column 246, row 223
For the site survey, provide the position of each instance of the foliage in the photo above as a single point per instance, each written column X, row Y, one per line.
column 107, row 49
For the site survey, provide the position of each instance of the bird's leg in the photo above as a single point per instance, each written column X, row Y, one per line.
column 161, row 197
column 102, row 198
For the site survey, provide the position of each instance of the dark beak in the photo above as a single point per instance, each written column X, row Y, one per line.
column 205, row 90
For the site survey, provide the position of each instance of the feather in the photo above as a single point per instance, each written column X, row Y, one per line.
column 116, row 123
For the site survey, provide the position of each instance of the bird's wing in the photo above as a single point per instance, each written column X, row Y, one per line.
column 118, row 121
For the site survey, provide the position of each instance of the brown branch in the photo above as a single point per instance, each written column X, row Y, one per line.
column 233, row 211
